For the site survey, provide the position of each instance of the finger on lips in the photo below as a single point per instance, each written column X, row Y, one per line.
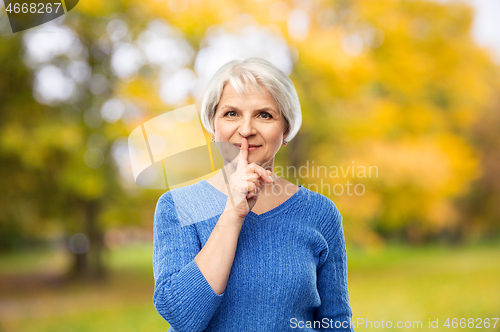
column 256, row 175
column 256, row 168
column 244, row 150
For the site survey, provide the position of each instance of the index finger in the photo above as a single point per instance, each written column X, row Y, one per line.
column 244, row 151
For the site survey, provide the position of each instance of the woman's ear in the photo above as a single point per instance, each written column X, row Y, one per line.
column 285, row 142
column 287, row 131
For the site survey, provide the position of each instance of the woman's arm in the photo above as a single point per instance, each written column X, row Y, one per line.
column 182, row 294
column 332, row 276
column 190, row 280
column 216, row 258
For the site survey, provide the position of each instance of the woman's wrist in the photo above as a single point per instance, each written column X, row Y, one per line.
column 229, row 218
column 238, row 211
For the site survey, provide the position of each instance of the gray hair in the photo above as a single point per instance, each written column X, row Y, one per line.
column 257, row 71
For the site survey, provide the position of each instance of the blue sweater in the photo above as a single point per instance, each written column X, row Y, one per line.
column 289, row 269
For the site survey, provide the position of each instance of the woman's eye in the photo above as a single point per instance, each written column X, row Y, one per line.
column 266, row 115
column 230, row 112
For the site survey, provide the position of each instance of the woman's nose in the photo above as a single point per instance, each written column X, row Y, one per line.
column 247, row 128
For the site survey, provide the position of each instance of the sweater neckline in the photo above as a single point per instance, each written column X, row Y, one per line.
column 290, row 201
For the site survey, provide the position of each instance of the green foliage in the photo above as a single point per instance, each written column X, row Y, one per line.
column 406, row 103
column 407, row 107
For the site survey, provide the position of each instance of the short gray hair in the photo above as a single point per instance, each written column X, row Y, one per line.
column 257, row 71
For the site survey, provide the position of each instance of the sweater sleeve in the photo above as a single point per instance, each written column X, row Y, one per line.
column 334, row 312
column 182, row 295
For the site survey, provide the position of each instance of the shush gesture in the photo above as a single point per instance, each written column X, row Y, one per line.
column 252, row 110
column 246, row 183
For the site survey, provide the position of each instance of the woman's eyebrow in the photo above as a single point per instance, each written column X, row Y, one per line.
column 264, row 109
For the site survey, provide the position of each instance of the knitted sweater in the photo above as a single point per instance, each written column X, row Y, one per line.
column 289, row 271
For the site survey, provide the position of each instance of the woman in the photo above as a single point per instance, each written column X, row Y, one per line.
column 273, row 258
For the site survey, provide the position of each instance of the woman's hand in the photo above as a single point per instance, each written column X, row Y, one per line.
column 246, row 183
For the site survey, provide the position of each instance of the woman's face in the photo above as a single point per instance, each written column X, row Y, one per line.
column 255, row 117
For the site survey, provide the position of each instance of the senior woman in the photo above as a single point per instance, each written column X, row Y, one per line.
column 273, row 258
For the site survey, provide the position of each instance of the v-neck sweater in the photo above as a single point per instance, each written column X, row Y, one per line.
column 289, row 271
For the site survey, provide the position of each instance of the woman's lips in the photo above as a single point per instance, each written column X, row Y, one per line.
column 250, row 147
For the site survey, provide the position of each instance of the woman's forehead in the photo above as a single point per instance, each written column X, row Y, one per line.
column 252, row 98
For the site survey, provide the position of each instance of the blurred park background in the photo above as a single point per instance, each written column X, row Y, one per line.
column 399, row 85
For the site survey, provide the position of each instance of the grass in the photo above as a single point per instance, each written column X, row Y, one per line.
column 398, row 283
column 39, row 302
column 417, row 284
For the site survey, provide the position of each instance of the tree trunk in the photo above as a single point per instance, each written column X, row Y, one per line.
column 89, row 265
